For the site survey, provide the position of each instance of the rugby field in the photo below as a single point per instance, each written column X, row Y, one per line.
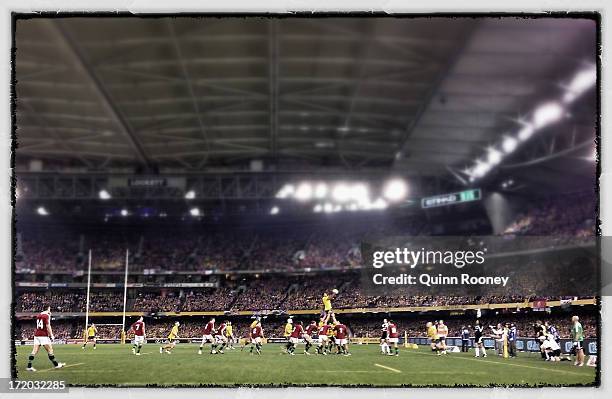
column 115, row 365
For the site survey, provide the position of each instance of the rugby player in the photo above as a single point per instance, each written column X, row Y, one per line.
column 341, row 338
column 256, row 338
column 551, row 349
column 294, row 337
column 220, row 338
column 247, row 339
column 442, row 333
column 43, row 336
column 207, row 336
column 287, row 334
column 393, row 337
column 324, row 328
column 432, row 333
column 92, row 333
column 138, row 328
column 384, row 344
column 229, row 334
column 172, row 339
column 310, row 332
column 327, row 305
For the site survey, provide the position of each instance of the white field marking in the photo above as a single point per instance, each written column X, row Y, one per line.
column 508, row 364
column 341, row 371
column 65, row 367
column 388, row 368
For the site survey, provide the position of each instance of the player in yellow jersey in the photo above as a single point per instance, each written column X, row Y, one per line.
column 92, row 333
column 229, row 333
column 432, row 334
column 327, row 305
column 287, row 333
column 172, row 338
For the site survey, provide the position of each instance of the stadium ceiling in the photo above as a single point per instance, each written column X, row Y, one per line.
column 421, row 96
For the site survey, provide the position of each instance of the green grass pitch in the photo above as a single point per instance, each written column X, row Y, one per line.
column 115, row 365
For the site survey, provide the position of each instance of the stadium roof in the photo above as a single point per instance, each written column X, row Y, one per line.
column 422, row 96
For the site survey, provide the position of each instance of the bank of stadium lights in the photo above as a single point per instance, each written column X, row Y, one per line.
column 190, row 195
column 344, row 196
column 275, row 210
column 42, row 211
column 124, row 212
column 104, row 195
column 544, row 115
column 195, row 212
column 582, row 81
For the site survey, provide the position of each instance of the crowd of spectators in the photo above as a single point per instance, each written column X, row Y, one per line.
column 571, row 215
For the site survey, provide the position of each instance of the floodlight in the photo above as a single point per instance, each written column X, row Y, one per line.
column 304, row 192
column 509, row 144
column 104, row 195
column 547, row 113
column 395, row 190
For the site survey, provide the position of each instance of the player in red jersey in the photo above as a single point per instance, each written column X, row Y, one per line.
column 138, row 328
column 207, row 336
column 43, row 336
column 323, row 337
column 220, row 338
column 341, row 337
column 294, row 338
column 256, row 337
column 311, row 330
column 393, row 334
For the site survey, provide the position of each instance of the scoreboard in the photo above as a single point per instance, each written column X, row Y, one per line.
column 451, row 199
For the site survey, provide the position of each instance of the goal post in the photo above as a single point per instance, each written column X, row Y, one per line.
column 87, row 299
column 125, row 285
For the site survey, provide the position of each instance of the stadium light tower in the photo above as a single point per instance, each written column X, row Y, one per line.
column 395, row 190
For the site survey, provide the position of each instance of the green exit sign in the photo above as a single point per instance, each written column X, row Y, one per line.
column 452, row 198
